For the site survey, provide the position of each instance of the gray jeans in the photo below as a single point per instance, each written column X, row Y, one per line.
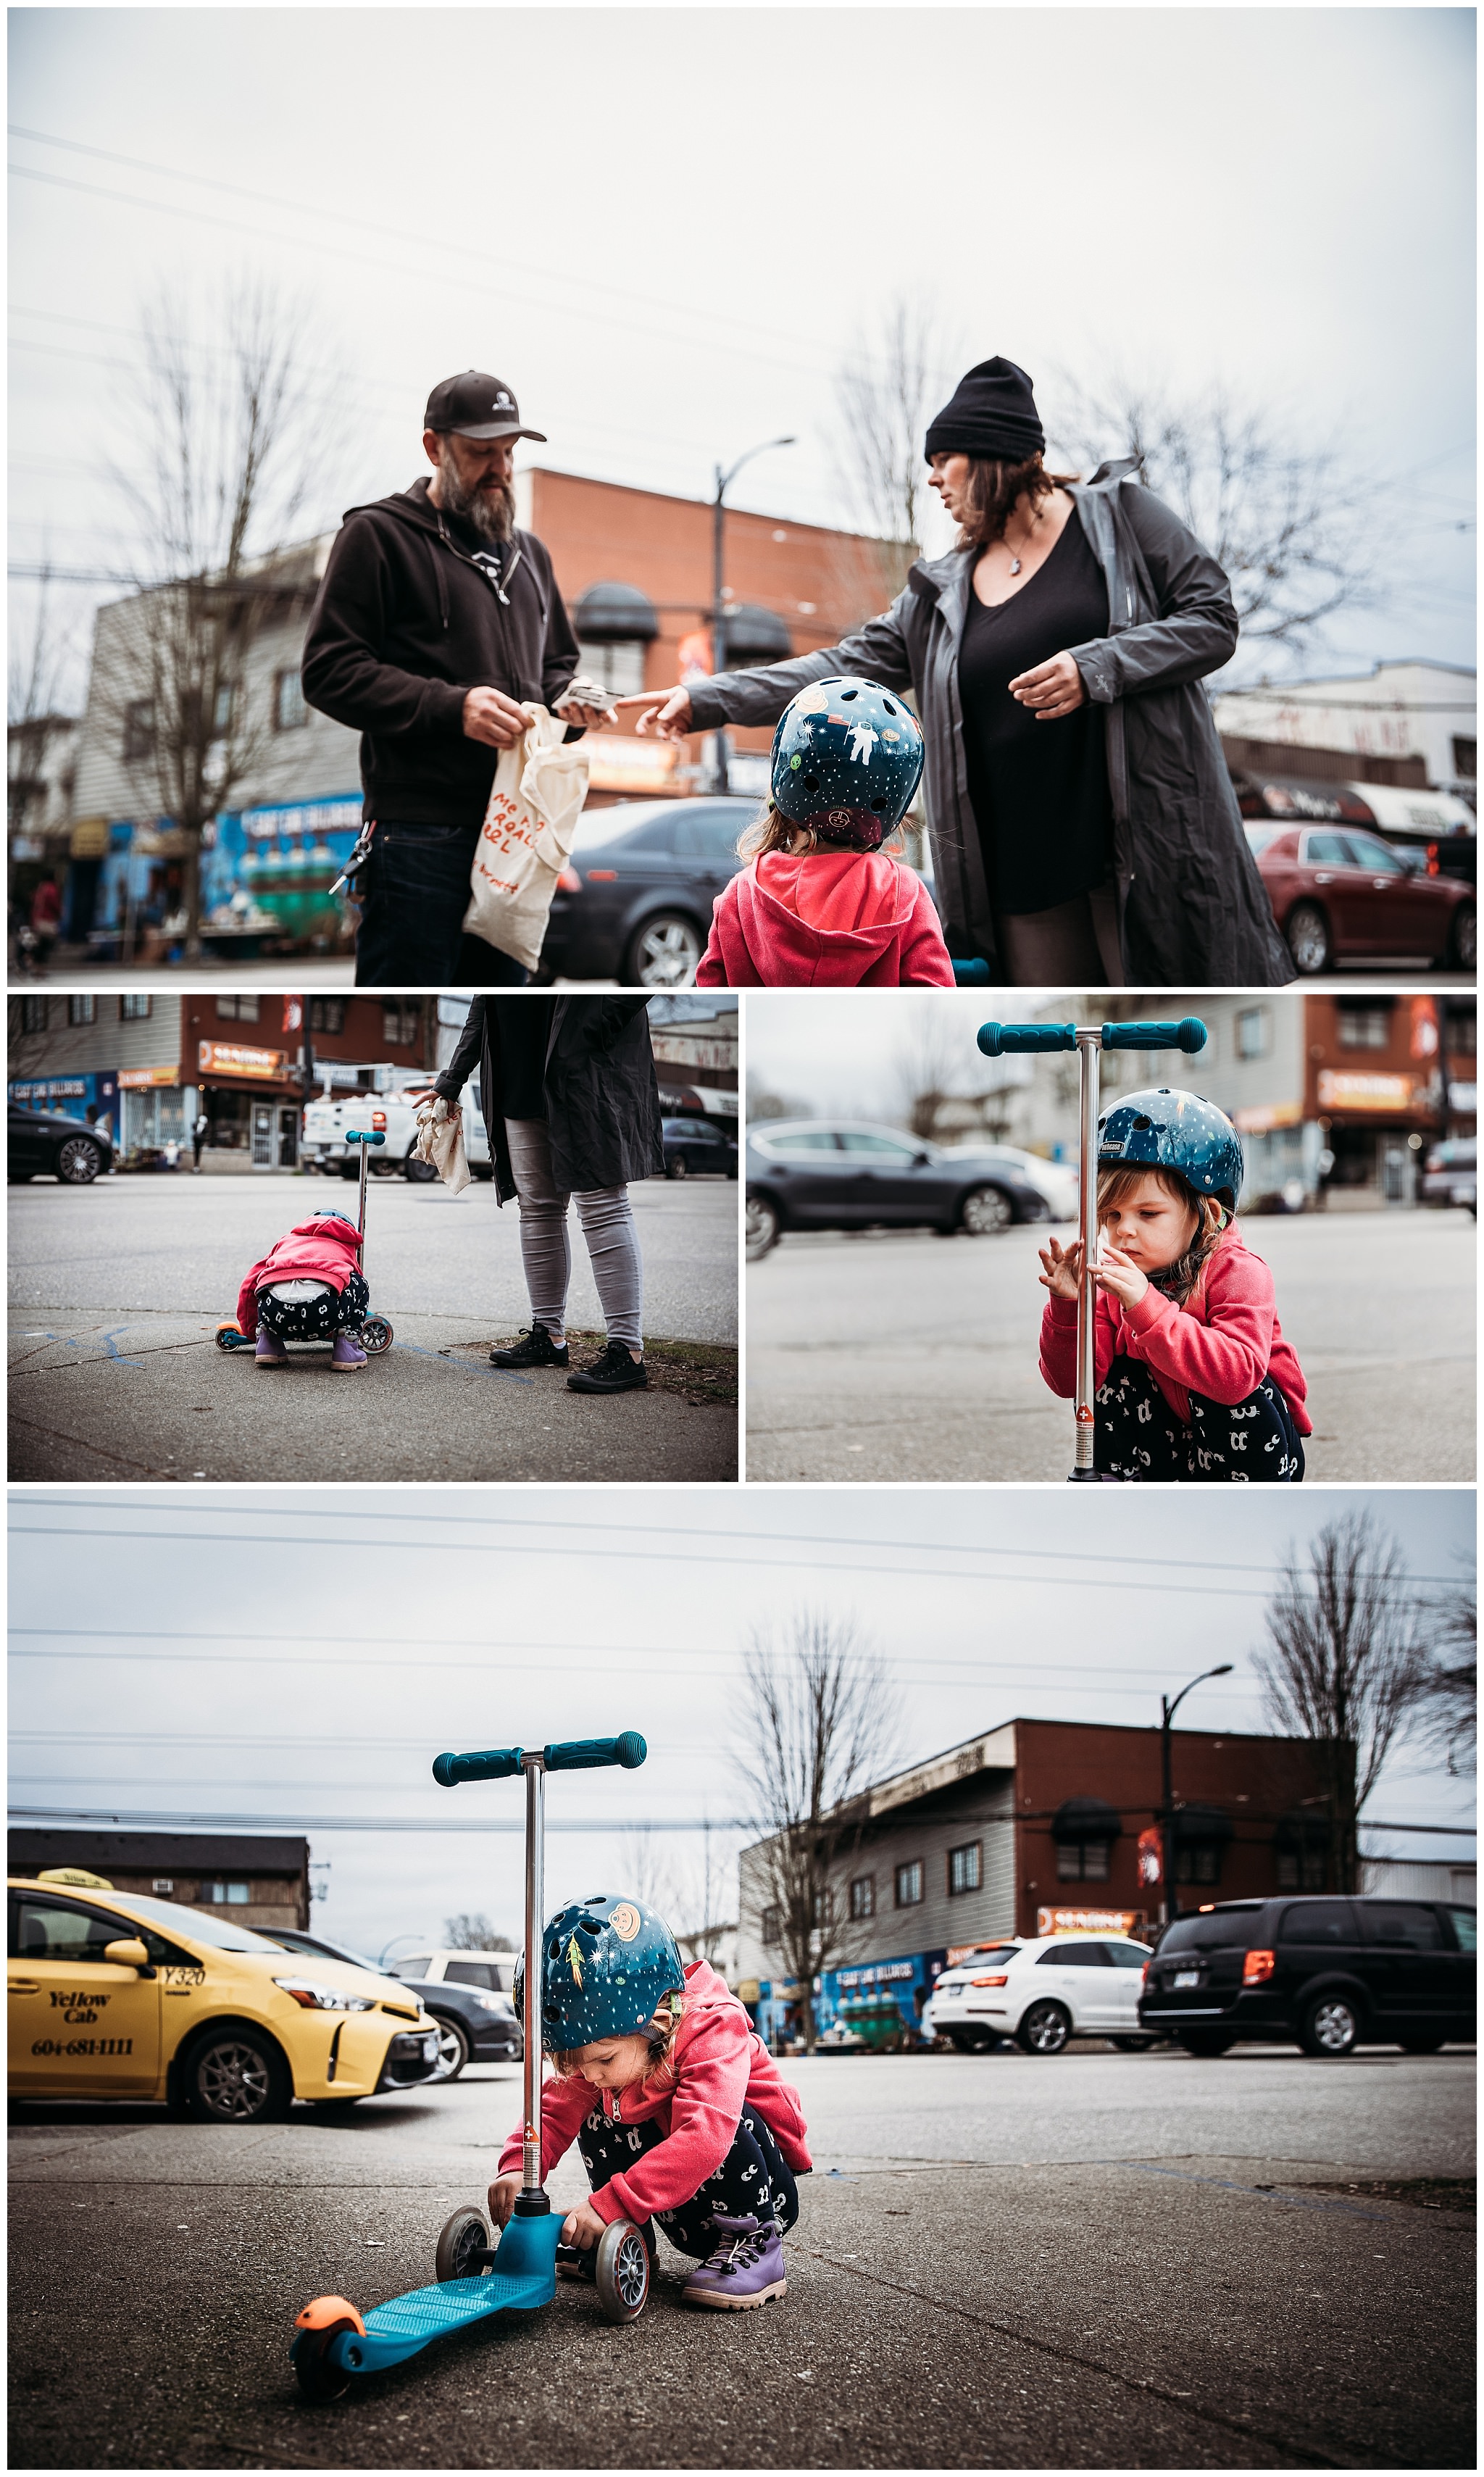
column 607, row 1220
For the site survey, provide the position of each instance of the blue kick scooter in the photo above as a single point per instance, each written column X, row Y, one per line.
column 476, row 2276
column 374, row 1332
column 1088, row 1041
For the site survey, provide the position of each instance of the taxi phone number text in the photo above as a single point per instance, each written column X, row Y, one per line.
column 82, row 2047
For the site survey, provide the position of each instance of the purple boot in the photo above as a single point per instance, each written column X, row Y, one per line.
column 346, row 1355
column 747, row 2268
column 271, row 1351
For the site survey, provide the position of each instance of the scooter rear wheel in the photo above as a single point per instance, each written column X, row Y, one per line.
column 375, row 1336
column 317, row 2375
column 622, row 2272
column 467, row 2233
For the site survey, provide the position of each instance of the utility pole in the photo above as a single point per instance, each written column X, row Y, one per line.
column 724, row 483
column 1168, row 1709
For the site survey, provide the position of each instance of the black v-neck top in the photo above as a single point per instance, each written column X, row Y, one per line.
column 1039, row 789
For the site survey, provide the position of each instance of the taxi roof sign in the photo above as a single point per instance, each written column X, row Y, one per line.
column 78, row 1876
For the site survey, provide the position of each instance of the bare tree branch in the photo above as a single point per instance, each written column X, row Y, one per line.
column 1451, row 1692
column 886, row 391
column 472, row 1932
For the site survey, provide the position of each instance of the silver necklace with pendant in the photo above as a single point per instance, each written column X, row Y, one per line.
column 1016, row 562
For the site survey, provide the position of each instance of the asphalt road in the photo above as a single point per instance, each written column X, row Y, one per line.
column 899, row 1355
column 116, row 1291
column 1090, row 2260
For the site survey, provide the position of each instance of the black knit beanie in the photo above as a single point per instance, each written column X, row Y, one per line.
column 991, row 411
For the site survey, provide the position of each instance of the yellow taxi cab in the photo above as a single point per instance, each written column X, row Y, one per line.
column 119, row 1995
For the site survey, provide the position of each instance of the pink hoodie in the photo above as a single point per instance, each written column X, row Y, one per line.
column 827, row 919
column 1222, row 1343
column 316, row 1251
column 718, row 2066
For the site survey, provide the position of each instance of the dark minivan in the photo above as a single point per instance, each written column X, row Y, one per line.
column 1332, row 1974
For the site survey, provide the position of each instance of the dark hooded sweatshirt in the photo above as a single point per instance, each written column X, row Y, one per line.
column 405, row 624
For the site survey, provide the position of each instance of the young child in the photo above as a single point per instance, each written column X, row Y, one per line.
column 820, row 904
column 308, row 1287
column 1194, row 1378
column 680, row 2113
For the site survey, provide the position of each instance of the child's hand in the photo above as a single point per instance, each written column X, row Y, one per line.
column 1115, row 1273
column 583, row 2227
column 1063, row 1270
column 502, row 2199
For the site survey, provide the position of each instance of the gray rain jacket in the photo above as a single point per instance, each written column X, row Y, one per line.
column 602, row 1096
column 1193, row 911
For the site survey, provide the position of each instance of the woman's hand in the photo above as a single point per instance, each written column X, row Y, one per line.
column 502, row 2199
column 1119, row 1275
column 674, row 719
column 1051, row 690
column 583, row 2227
column 1062, row 1269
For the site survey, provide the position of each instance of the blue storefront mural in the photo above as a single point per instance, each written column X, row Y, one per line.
column 908, row 1977
column 93, row 1097
column 282, row 858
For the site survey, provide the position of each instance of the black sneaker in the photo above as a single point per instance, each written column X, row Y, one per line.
column 536, row 1350
column 616, row 1372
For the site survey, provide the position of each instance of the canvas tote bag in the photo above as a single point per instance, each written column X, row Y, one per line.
column 535, row 803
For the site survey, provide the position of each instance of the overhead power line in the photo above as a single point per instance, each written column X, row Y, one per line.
column 157, row 1820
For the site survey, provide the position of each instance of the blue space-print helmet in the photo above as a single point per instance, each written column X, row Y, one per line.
column 1178, row 1131
column 332, row 1212
column 847, row 758
column 607, row 1966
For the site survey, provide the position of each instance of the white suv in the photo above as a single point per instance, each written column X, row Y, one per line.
column 1042, row 1994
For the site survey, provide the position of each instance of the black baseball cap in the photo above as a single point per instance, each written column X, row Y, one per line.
column 477, row 406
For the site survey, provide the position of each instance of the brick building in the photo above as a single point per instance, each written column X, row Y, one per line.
column 255, row 1883
column 1033, row 1829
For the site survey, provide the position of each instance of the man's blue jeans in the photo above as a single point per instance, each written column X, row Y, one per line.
column 417, row 892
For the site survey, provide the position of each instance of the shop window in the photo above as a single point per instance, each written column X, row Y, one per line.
column 290, row 710
column 1084, row 1830
column 1301, row 1870
column 1466, row 759
column 327, row 1015
column 1301, row 1853
column 230, row 1114
column 1082, row 1862
column 909, row 1884
column 619, row 667
column 1200, row 1863
column 1365, row 1027
column 137, row 1008
column 164, row 1884
column 399, row 1022
column 226, row 1895
column 82, row 1010
column 238, row 1010
column 139, row 730
column 32, row 1014
column 1461, row 1034
column 964, row 1867
column 1253, row 1025
column 862, row 1896
column 772, row 1928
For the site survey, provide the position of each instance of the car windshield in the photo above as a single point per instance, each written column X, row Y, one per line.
column 1207, row 1934
column 310, row 1945
column 981, row 1961
column 200, row 1926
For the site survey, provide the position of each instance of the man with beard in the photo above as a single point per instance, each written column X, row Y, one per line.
column 435, row 620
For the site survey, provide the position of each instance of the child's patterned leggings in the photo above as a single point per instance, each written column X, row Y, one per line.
column 754, row 2179
column 319, row 1314
column 1137, row 1435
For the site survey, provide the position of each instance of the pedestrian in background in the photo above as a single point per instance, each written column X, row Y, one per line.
column 198, row 1134
column 46, row 918
column 1083, row 825
column 436, row 620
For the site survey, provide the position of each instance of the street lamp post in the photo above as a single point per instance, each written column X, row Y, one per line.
column 1168, row 1710
column 724, row 483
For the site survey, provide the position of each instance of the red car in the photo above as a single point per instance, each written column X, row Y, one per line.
column 1338, row 894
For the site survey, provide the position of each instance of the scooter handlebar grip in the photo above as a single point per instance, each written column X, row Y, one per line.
column 592, row 1754
column 449, row 1770
column 1189, row 1035
column 1000, row 1039
column 363, row 1136
column 973, row 974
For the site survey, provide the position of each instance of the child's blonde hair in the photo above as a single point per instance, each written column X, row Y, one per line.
column 659, row 2034
column 1116, row 1185
column 771, row 831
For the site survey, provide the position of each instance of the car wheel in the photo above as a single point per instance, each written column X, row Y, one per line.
column 677, row 1168
column 77, row 1161
column 1044, row 2027
column 763, row 1226
column 984, row 1210
column 663, row 954
column 1203, row 2043
column 419, row 1172
column 236, row 2076
column 453, row 2050
column 1421, row 2043
column 1308, row 938
column 1463, row 945
column 1133, row 2046
column 1330, row 2027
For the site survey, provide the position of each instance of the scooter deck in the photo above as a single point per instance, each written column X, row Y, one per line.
column 406, row 2324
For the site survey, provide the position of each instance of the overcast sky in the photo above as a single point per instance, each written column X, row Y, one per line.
column 665, row 228
column 303, row 1655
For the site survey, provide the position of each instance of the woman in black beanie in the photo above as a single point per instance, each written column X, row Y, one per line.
column 1083, row 825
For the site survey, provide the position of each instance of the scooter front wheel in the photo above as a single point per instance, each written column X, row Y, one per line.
column 465, row 2234
column 622, row 2272
column 375, row 1336
column 231, row 1337
column 319, row 2378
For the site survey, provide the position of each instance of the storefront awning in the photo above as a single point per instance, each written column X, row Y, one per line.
column 1086, row 1818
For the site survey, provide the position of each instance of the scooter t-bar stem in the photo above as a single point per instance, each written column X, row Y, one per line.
column 1087, row 1051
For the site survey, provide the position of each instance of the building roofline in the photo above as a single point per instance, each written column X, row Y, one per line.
column 1352, row 679
column 681, row 499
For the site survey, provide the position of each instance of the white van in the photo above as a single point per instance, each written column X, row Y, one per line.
column 323, row 1146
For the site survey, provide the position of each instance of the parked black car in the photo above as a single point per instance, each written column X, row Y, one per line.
column 43, row 1145
column 810, row 1174
column 634, row 902
column 1333, row 1974
column 475, row 2027
column 693, row 1146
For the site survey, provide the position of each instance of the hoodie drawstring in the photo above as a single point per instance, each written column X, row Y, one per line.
column 440, row 580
